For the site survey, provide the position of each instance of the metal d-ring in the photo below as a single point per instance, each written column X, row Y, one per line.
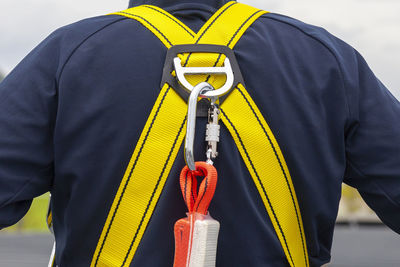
column 226, row 69
column 199, row 90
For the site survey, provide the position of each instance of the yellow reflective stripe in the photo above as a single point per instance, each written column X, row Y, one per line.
column 267, row 166
column 225, row 27
column 143, row 181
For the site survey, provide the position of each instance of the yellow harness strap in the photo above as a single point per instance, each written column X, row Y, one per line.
column 163, row 134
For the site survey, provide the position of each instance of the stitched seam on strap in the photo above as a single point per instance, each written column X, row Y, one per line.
column 283, row 170
column 171, row 18
column 241, row 27
column 169, row 42
column 208, row 27
column 233, row 37
column 185, row 188
column 259, row 180
column 192, row 192
column 202, row 196
column 130, row 175
column 215, row 19
column 155, row 189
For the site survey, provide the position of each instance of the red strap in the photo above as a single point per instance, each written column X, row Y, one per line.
column 198, row 202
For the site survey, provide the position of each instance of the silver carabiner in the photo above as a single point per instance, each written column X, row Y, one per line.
column 198, row 91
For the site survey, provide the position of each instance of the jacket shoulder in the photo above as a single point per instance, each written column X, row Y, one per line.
column 287, row 26
column 63, row 42
column 86, row 27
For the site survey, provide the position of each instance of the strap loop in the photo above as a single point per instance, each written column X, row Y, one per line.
column 198, row 200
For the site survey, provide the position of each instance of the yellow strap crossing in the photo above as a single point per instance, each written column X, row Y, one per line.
column 163, row 134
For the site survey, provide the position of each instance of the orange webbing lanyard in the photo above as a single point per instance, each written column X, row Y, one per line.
column 197, row 203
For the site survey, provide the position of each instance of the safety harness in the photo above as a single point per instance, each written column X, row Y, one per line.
column 163, row 134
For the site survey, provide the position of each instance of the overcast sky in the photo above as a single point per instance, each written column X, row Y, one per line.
column 371, row 26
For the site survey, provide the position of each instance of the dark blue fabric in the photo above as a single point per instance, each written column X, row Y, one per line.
column 169, row 3
column 72, row 111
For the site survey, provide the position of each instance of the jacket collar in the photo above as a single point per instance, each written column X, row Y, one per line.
column 167, row 3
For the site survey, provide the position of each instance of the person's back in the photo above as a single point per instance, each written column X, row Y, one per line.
column 73, row 111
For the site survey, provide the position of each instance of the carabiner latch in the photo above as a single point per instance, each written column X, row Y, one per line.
column 198, row 91
column 212, row 132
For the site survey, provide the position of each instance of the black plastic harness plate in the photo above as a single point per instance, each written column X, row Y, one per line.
column 198, row 48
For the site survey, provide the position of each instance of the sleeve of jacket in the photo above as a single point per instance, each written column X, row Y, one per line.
column 28, row 101
column 373, row 141
column 28, row 111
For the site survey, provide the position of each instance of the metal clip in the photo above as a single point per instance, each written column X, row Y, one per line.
column 212, row 132
column 198, row 91
column 226, row 69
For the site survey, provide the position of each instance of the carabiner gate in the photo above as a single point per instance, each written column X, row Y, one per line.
column 198, row 91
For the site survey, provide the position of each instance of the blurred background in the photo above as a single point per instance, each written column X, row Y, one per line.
column 371, row 26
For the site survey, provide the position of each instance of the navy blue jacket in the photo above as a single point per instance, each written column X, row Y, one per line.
column 72, row 111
